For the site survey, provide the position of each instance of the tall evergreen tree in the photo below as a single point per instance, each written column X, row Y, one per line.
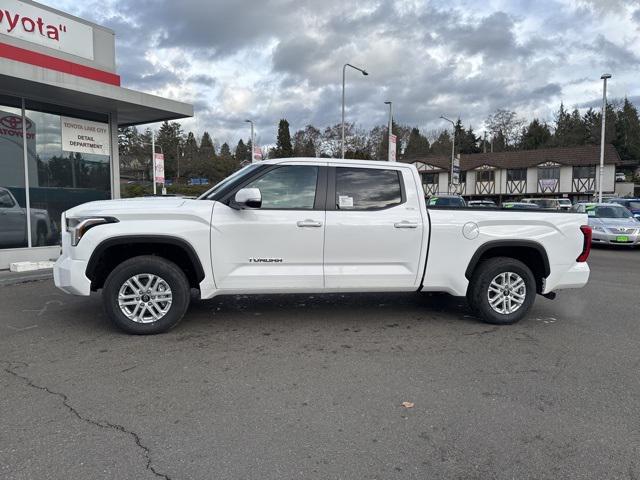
column 591, row 121
column 466, row 140
column 283, row 149
column 570, row 128
column 592, row 125
column 225, row 163
column 188, row 156
column 536, row 135
column 225, row 151
column 417, row 144
column 243, row 153
column 442, row 144
column 498, row 142
column 205, row 160
column 628, row 132
column 170, row 138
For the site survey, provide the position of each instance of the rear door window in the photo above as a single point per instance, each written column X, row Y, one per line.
column 367, row 188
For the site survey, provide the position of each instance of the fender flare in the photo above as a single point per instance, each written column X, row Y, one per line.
column 485, row 247
column 149, row 239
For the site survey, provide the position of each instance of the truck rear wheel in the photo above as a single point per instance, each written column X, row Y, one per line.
column 502, row 290
column 146, row 295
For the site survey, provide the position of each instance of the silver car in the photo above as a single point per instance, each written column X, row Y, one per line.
column 611, row 223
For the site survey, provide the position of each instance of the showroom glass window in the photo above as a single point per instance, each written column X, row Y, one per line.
column 60, row 177
column 13, row 216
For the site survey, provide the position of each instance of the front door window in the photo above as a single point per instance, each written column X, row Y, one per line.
column 291, row 187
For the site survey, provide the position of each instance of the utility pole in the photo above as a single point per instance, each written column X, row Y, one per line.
column 604, row 78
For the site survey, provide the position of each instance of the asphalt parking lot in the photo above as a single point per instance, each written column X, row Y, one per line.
column 276, row 387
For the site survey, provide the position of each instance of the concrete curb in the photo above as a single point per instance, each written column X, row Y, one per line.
column 8, row 278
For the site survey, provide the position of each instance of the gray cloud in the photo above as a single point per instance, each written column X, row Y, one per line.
column 283, row 58
column 608, row 53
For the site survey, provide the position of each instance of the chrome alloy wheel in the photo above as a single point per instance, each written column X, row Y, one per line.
column 507, row 292
column 145, row 298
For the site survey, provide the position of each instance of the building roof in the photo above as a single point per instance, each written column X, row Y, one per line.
column 583, row 155
column 130, row 106
column 437, row 163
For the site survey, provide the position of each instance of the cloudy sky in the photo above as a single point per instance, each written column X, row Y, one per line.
column 272, row 59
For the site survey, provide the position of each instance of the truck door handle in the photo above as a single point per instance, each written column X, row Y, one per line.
column 309, row 223
column 405, row 224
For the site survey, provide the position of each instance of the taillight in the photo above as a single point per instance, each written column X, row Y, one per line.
column 586, row 246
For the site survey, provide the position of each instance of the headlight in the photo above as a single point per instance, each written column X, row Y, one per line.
column 78, row 226
column 598, row 229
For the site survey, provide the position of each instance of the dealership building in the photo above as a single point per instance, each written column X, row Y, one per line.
column 61, row 104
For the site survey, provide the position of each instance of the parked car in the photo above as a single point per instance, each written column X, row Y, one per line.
column 520, row 205
column 545, row 203
column 565, row 204
column 631, row 204
column 13, row 220
column 605, row 198
column 314, row 225
column 482, row 204
column 446, row 201
column 612, row 224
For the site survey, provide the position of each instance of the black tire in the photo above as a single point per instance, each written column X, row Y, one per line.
column 41, row 236
column 478, row 292
column 147, row 264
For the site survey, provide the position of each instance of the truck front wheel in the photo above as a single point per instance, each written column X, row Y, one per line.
column 502, row 290
column 146, row 295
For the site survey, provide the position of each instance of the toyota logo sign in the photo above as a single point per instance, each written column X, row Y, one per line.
column 13, row 122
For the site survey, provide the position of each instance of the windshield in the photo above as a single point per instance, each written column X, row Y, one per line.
column 564, row 201
column 447, row 201
column 545, row 203
column 630, row 204
column 608, row 211
column 220, row 185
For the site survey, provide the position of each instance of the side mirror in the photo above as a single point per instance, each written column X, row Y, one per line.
column 248, row 198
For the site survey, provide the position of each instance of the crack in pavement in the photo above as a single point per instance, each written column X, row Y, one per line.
column 100, row 424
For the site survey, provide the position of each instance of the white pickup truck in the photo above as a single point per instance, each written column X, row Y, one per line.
column 310, row 226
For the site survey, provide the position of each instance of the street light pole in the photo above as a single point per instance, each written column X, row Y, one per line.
column 252, row 140
column 604, row 78
column 344, row 70
column 453, row 148
column 390, row 152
